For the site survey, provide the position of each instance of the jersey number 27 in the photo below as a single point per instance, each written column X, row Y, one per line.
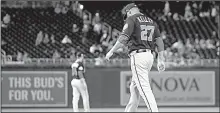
column 147, row 32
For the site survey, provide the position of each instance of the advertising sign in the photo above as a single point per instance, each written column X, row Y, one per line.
column 34, row 89
column 175, row 88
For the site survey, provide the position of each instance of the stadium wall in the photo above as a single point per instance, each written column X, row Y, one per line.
column 108, row 87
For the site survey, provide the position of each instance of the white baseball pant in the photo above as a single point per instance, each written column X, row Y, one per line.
column 80, row 88
column 141, row 64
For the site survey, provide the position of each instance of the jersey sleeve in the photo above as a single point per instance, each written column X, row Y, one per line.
column 74, row 65
column 128, row 28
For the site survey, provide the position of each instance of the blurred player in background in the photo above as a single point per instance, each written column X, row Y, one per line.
column 79, row 84
column 140, row 33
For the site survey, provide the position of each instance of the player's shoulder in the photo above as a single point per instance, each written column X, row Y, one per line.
column 129, row 19
column 151, row 20
column 75, row 65
column 133, row 17
column 155, row 23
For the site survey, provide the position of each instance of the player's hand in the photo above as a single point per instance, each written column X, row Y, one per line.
column 108, row 55
column 161, row 66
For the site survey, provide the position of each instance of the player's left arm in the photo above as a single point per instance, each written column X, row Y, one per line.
column 160, row 45
column 160, row 50
column 125, row 35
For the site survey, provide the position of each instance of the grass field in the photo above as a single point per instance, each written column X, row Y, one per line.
column 165, row 109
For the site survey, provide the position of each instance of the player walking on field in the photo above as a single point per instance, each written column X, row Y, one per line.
column 140, row 33
column 79, row 84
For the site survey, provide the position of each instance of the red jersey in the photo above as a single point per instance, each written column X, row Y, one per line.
column 141, row 31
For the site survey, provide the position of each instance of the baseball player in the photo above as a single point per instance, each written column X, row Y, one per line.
column 79, row 84
column 141, row 34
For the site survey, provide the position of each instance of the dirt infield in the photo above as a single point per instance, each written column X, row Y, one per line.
column 165, row 109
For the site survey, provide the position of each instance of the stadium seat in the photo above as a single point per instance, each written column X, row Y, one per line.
column 26, row 23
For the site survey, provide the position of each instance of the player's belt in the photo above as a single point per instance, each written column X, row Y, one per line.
column 139, row 51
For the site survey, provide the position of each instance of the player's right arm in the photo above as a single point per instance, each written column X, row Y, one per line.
column 74, row 67
column 123, row 38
